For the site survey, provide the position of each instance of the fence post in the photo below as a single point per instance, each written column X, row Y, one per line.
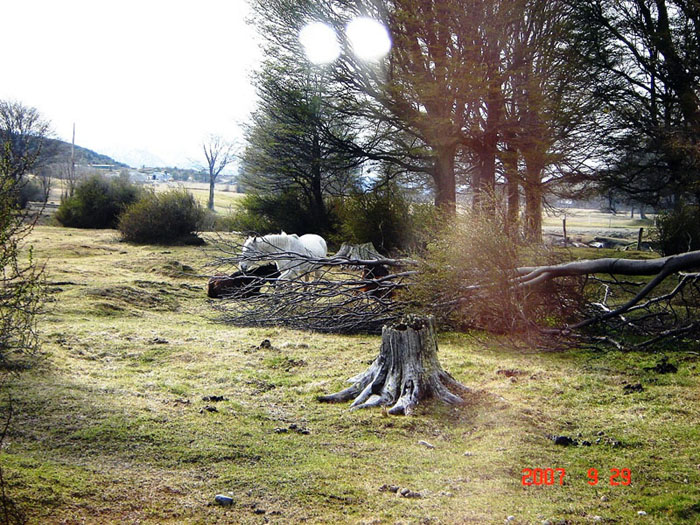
column 564, row 225
column 639, row 239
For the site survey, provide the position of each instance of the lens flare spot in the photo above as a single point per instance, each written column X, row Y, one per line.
column 319, row 42
column 369, row 38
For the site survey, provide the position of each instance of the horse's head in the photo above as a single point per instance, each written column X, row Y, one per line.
column 251, row 249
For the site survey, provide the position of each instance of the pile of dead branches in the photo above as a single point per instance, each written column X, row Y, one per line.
column 617, row 303
column 339, row 294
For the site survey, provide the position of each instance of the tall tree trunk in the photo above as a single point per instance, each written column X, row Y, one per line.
column 444, row 177
column 485, row 183
column 510, row 167
column 533, row 212
column 212, row 182
column 534, row 167
column 318, row 207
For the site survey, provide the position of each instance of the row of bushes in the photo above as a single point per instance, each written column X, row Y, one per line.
column 385, row 217
column 140, row 215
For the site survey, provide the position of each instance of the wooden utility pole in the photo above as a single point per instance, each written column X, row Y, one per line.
column 72, row 155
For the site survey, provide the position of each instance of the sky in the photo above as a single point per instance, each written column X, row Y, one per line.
column 144, row 81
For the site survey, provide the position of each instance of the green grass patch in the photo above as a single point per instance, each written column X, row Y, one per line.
column 113, row 423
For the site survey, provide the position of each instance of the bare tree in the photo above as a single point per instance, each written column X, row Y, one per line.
column 22, row 132
column 219, row 154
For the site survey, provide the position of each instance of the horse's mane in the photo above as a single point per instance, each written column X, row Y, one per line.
column 282, row 241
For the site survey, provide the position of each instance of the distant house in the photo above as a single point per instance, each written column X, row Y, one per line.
column 161, row 176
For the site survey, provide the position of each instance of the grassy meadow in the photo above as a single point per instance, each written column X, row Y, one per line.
column 225, row 196
column 110, row 426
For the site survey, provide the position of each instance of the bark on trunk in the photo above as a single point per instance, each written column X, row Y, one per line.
column 444, row 177
column 534, row 167
column 485, row 182
column 210, row 204
column 406, row 371
column 510, row 166
column 318, row 208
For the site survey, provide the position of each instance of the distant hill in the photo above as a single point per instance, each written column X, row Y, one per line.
column 56, row 151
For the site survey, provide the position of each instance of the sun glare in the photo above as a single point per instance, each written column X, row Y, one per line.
column 369, row 38
column 320, row 43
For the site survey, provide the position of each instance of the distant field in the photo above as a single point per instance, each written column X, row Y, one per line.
column 111, row 426
column 225, row 196
column 595, row 219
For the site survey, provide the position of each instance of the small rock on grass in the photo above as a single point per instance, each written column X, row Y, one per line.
column 426, row 444
column 663, row 367
column 630, row 389
column 408, row 493
column 296, row 428
column 214, row 399
column 223, row 500
column 564, row 441
column 641, row 513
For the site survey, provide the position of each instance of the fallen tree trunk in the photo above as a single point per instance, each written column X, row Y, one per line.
column 661, row 269
column 406, row 371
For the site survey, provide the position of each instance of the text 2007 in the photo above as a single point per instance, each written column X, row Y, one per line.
column 543, row 476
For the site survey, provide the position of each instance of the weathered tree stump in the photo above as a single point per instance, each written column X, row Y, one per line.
column 406, row 371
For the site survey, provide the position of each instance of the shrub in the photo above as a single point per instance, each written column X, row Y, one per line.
column 97, row 202
column 171, row 216
column 678, row 230
column 271, row 213
column 387, row 219
column 466, row 279
column 30, row 190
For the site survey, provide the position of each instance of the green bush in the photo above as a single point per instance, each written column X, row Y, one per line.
column 97, row 202
column 30, row 190
column 162, row 218
column 387, row 219
column 276, row 212
column 678, row 231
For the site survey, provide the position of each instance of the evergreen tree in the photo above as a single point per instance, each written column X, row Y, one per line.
column 644, row 56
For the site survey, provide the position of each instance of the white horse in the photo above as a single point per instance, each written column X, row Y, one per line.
column 255, row 250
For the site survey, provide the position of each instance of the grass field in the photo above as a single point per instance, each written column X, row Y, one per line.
column 587, row 219
column 225, row 196
column 110, row 426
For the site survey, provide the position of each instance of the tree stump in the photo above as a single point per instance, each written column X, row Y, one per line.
column 406, row 371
